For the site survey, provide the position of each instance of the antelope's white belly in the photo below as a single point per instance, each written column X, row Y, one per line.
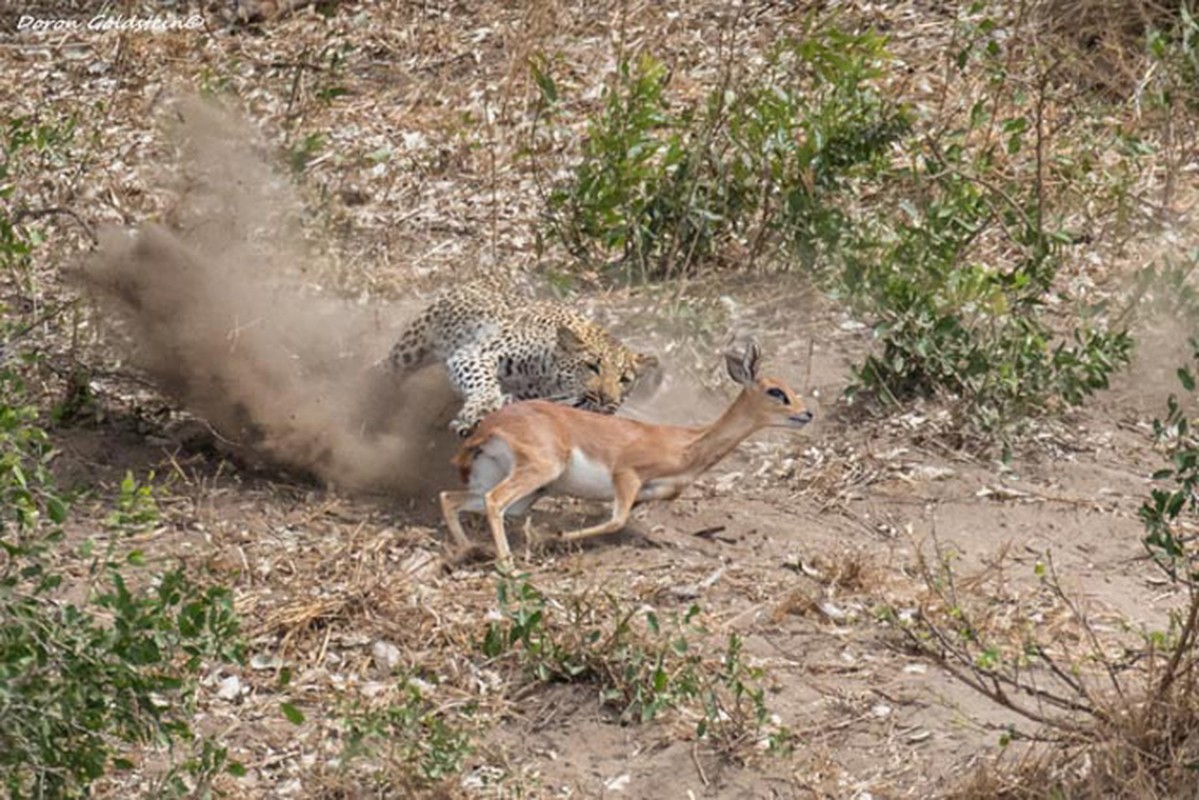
column 584, row 477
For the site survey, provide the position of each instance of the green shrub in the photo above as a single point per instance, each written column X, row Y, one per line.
column 1175, row 49
column 1167, row 512
column 87, row 668
column 948, row 323
column 658, row 191
column 28, row 147
column 950, row 326
column 805, row 132
column 416, row 743
column 806, row 165
column 636, row 194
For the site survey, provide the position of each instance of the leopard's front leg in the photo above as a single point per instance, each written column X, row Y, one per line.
column 474, row 372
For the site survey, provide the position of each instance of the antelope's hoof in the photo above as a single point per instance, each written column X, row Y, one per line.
column 471, row 554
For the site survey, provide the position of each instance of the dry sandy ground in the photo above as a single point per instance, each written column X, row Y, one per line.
column 762, row 544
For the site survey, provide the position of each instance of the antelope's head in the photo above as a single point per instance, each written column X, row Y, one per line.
column 772, row 402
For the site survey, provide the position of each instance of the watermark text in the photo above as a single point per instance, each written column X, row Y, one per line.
column 155, row 23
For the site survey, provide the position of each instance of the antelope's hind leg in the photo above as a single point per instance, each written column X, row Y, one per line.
column 453, row 503
column 625, row 488
column 520, row 489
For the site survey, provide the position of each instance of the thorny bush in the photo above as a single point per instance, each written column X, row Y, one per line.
column 1123, row 719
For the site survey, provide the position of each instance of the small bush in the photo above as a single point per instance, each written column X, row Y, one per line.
column 86, row 668
column 644, row 665
column 951, row 327
column 1167, row 509
column 27, row 146
column 660, row 192
column 954, row 324
column 410, row 744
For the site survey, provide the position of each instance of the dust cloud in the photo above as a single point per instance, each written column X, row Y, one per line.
column 217, row 311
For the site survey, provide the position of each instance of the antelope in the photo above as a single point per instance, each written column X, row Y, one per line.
column 531, row 449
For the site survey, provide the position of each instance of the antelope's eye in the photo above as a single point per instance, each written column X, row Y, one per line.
column 594, row 367
column 779, row 394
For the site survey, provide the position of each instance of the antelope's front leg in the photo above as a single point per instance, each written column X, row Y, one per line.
column 625, row 486
column 520, row 485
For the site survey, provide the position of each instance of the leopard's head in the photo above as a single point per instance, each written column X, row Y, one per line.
column 600, row 370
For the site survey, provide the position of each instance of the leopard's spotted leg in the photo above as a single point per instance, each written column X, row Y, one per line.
column 474, row 371
column 414, row 347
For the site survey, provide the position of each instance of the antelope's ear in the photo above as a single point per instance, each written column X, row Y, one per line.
column 743, row 365
column 569, row 341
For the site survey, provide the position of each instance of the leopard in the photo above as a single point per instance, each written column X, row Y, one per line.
column 499, row 347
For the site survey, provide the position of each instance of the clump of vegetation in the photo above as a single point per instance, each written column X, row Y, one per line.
column 644, row 665
column 660, row 192
column 963, row 330
column 28, row 147
column 95, row 659
column 951, row 323
column 117, row 661
column 410, row 744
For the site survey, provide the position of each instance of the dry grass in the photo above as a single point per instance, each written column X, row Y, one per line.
column 1102, row 44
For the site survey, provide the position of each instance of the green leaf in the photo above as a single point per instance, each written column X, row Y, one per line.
column 1175, row 504
column 293, row 714
column 549, row 90
column 493, row 641
column 1186, row 379
column 333, row 92
column 57, row 510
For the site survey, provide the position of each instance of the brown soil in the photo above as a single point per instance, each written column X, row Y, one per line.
column 321, row 576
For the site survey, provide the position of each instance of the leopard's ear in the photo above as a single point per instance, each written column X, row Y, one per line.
column 569, row 341
column 644, row 363
column 649, row 372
